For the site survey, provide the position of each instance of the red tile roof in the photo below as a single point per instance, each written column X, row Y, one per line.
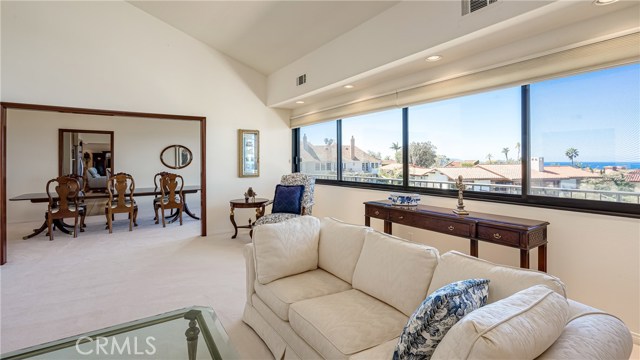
column 632, row 176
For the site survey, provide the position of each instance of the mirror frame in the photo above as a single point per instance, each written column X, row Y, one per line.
column 60, row 143
column 176, row 166
column 243, row 148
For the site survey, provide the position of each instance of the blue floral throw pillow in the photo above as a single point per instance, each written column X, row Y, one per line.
column 437, row 314
column 288, row 199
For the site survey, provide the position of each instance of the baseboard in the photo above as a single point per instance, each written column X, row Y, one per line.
column 636, row 338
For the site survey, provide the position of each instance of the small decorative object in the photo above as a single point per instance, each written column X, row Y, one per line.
column 250, row 194
column 404, row 199
column 460, row 186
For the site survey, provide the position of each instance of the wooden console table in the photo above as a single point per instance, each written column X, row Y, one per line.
column 523, row 234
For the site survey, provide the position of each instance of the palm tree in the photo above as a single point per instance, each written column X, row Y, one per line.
column 518, row 150
column 395, row 147
column 489, row 157
column 505, row 151
column 572, row 153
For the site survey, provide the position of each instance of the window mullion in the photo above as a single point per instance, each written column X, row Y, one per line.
column 339, row 150
column 525, row 140
column 405, row 147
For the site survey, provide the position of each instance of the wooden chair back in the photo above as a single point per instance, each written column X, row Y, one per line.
column 121, row 186
column 156, row 180
column 171, row 186
column 67, row 190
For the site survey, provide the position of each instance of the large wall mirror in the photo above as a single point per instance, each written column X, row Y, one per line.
column 87, row 153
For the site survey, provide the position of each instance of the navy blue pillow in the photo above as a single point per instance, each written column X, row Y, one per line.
column 288, row 199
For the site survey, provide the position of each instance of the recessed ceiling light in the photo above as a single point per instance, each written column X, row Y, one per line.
column 299, row 102
column 348, row 86
column 434, row 58
column 604, row 2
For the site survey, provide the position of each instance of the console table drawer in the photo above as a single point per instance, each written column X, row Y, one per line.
column 497, row 235
column 449, row 227
column 377, row 213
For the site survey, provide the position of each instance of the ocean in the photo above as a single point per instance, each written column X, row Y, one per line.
column 595, row 164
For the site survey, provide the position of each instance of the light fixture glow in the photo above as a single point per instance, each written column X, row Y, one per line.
column 434, row 58
column 604, row 2
column 299, row 102
column 348, row 86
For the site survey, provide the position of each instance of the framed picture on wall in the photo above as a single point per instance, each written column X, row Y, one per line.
column 248, row 153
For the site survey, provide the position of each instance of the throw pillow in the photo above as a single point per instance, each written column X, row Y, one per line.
column 288, row 199
column 286, row 248
column 437, row 314
column 521, row 326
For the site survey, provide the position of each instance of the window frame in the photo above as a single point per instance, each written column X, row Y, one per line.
column 525, row 198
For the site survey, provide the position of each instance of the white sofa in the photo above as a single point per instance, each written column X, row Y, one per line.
column 325, row 289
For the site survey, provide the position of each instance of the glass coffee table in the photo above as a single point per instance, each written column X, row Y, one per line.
column 192, row 333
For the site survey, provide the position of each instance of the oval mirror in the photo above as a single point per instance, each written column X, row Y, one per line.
column 176, row 156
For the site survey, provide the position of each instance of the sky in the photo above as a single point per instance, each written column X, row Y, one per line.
column 597, row 113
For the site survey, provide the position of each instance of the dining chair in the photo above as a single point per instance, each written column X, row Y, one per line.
column 171, row 186
column 64, row 204
column 81, row 193
column 293, row 198
column 120, row 188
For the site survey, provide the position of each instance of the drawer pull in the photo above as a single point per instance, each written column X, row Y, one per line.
column 451, row 228
column 377, row 212
column 401, row 217
column 497, row 236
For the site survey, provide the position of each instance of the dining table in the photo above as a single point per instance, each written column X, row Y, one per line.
column 43, row 197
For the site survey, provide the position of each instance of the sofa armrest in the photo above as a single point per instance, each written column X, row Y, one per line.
column 591, row 334
column 250, row 271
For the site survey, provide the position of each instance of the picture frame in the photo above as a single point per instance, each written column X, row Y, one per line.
column 248, row 153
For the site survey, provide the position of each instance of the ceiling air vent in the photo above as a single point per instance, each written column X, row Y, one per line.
column 302, row 79
column 469, row 6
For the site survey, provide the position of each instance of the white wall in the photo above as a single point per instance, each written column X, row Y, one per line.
column 596, row 256
column 111, row 55
column 137, row 146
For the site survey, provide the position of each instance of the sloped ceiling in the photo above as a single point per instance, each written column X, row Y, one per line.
column 266, row 35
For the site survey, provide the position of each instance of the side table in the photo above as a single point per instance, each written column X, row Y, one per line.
column 259, row 204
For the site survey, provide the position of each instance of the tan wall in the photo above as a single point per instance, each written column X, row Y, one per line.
column 596, row 256
column 112, row 55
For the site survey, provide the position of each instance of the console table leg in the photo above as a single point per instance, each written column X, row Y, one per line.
column 387, row 227
column 367, row 221
column 542, row 257
column 524, row 259
column 473, row 247
column 233, row 221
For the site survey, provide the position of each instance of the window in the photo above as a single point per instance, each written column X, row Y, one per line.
column 373, row 138
column 585, row 136
column 476, row 137
column 317, row 150
column 569, row 143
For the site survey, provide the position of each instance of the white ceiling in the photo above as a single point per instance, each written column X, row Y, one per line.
column 265, row 35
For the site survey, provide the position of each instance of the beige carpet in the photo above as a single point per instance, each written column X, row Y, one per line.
column 60, row 288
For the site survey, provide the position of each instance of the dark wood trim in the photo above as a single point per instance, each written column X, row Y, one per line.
column 85, row 111
column 60, row 141
column 203, row 176
column 3, row 184
column 73, row 110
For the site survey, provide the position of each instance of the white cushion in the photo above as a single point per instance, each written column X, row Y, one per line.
column 395, row 271
column 281, row 293
column 383, row 351
column 521, row 326
column 340, row 246
column 345, row 323
column 505, row 280
column 286, row 248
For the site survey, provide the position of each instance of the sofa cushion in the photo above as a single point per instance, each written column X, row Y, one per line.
column 437, row 314
column 395, row 271
column 281, row 293
column 340, row 247
column 505, row 280
column 521, row 326
column 383, row 351
column 345, row 323
column 286, row 248
column 288, row 199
